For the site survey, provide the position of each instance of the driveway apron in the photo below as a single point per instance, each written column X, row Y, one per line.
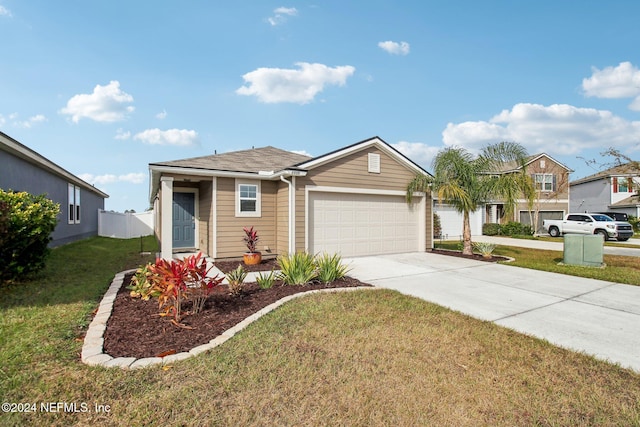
column 591, row 316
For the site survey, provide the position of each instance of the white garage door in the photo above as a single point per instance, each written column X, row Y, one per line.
column 363, row 224
column 451, row 221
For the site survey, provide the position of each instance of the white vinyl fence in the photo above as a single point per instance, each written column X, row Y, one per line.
column 125, row 225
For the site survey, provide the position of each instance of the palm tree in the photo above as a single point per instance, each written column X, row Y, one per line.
column 466, row 182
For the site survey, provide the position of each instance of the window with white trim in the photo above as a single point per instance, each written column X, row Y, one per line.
column 248, row 198
column 544, row 181
column 73, row 214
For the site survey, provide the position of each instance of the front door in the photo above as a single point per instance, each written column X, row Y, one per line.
column 184, row 224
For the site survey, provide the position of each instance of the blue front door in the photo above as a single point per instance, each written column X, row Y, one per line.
column 184, row 225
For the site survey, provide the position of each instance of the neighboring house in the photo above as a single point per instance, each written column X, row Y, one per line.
column 551, row 180
column 350, row 201
column 25, row 170
column 611, row 190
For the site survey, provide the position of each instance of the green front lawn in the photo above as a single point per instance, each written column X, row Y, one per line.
column 360, row 358
column 619, row 269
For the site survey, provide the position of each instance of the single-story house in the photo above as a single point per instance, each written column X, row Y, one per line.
column 349, row 201
column 611, row 190
column 25, row 170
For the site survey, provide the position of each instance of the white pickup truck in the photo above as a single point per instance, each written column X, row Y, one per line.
column 589, row 223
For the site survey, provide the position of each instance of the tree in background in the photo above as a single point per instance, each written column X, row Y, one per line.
column 466, row 182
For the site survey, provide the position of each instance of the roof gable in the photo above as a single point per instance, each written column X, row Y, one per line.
column 513, row 166
column 374, row 141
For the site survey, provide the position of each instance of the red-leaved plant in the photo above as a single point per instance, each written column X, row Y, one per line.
column 177, row 281
column 250, row 238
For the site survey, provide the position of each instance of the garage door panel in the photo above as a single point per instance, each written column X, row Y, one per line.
column 366, row 224
column 451, row 221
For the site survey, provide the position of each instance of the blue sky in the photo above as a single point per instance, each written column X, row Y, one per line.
column 103, row 88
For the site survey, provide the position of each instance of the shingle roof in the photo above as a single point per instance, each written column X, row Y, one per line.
column 633, row 200
column 619, row 170
column 253, row 160
column 513, row 165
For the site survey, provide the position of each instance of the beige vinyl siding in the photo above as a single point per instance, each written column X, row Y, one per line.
column 229, row 227
column 282, row 218
column 206, row 216
column 351, row 171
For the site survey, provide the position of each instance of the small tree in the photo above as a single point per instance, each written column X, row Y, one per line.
column 466, row 182
column 26, row 224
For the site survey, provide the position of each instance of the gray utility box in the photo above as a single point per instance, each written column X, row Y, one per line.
column 581, row 249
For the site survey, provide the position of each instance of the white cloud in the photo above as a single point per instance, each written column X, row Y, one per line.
column 133, row 178
column 5, row 12
column 274, row 85
column 395, row 48
column 106, row 104
column 555, row 129
column 122, row 135
column 420, row 153
column 622, row 81
column 179, row 137
column 280, row 15
column 162, row 115
column 14, row 118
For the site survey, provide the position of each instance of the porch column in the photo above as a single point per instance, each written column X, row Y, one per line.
column 166, row 212
column 494, row 213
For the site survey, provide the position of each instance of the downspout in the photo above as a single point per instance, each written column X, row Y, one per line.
column 292, row 213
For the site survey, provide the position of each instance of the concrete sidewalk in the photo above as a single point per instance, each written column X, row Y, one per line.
column 592, row 316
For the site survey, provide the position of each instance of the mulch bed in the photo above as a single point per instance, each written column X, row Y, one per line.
column 477, row 257
column 136, row 330
column 265, row 265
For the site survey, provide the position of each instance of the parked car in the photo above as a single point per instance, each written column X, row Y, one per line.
column 616, row 216
column 589, row 223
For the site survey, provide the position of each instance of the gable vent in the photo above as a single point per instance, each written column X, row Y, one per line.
column 374, row 163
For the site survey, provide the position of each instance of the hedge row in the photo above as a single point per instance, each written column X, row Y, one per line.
column 509, row 229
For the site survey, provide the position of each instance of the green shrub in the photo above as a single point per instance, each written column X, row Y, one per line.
column 491, row 229
column 330, row 268
column 297, row 269
column 513, row 228
column 265, row 281
column 635, row 223
column 236, row 280
column 484, row 248
column 26, row 224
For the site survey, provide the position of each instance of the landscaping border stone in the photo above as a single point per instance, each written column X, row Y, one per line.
column 93, row 351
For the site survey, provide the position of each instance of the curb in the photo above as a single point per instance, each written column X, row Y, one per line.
column 93, row 351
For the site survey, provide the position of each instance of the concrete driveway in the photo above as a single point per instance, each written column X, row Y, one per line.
column 592, row 316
